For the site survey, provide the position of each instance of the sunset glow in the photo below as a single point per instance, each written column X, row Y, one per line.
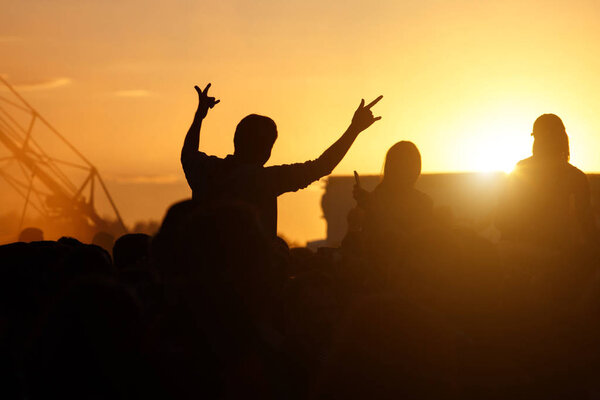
column 464, row 80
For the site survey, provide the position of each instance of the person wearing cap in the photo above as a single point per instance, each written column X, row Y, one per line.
column 546, row 200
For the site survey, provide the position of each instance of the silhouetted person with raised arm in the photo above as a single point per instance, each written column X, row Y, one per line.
column 547, row 200
column 242, row 175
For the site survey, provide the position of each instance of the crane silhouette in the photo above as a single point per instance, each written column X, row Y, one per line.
column 43, row 179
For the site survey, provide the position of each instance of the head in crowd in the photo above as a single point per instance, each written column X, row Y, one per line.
column 131, row 250
column 86, row 260
column 254, row 138
column 550, row 138
column 166, row 246
column 31, row 235
column 402, row 164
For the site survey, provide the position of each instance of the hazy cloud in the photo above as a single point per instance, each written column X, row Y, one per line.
column 43, row 85
column 10, row 39
column 133, row 93
column 155, row 179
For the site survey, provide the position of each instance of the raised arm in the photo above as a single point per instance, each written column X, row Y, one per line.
column 192, row 139
column 362, row 119
column 280, row 179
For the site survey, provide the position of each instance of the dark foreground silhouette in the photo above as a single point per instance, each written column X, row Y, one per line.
column 214, row 307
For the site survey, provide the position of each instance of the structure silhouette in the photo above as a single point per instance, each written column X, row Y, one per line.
column 47, row 163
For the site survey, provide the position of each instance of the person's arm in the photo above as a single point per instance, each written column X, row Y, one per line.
column 362, row 119
column 291, row 177
column 192, row 139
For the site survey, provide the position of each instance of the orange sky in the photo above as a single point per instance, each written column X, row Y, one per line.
column 464, row 80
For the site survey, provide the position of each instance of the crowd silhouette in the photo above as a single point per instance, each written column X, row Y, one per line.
column 216, row 306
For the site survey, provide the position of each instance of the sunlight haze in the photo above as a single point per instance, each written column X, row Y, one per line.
column 463, row 80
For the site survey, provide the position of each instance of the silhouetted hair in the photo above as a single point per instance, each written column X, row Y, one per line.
column 254, row 137
column 69, row 241
column 550, row 137
column 402, row 164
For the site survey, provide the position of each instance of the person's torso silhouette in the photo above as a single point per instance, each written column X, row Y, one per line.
column 404, row 208
column 214, row 179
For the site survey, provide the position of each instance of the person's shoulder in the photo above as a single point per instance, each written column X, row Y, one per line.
column 574, row 170
column 525, row 162
column 212, row 161
column 424, row 198
column 199, row 163
column 199, row 155
column 523, row 168
column 576, row 174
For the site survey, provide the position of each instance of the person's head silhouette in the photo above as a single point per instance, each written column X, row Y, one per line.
column 31, row 235
column 550, row 138
column 254, row 138
column 402, row 164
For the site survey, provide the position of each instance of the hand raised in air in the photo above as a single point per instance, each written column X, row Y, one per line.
column 363, row 117
column 204, row 102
